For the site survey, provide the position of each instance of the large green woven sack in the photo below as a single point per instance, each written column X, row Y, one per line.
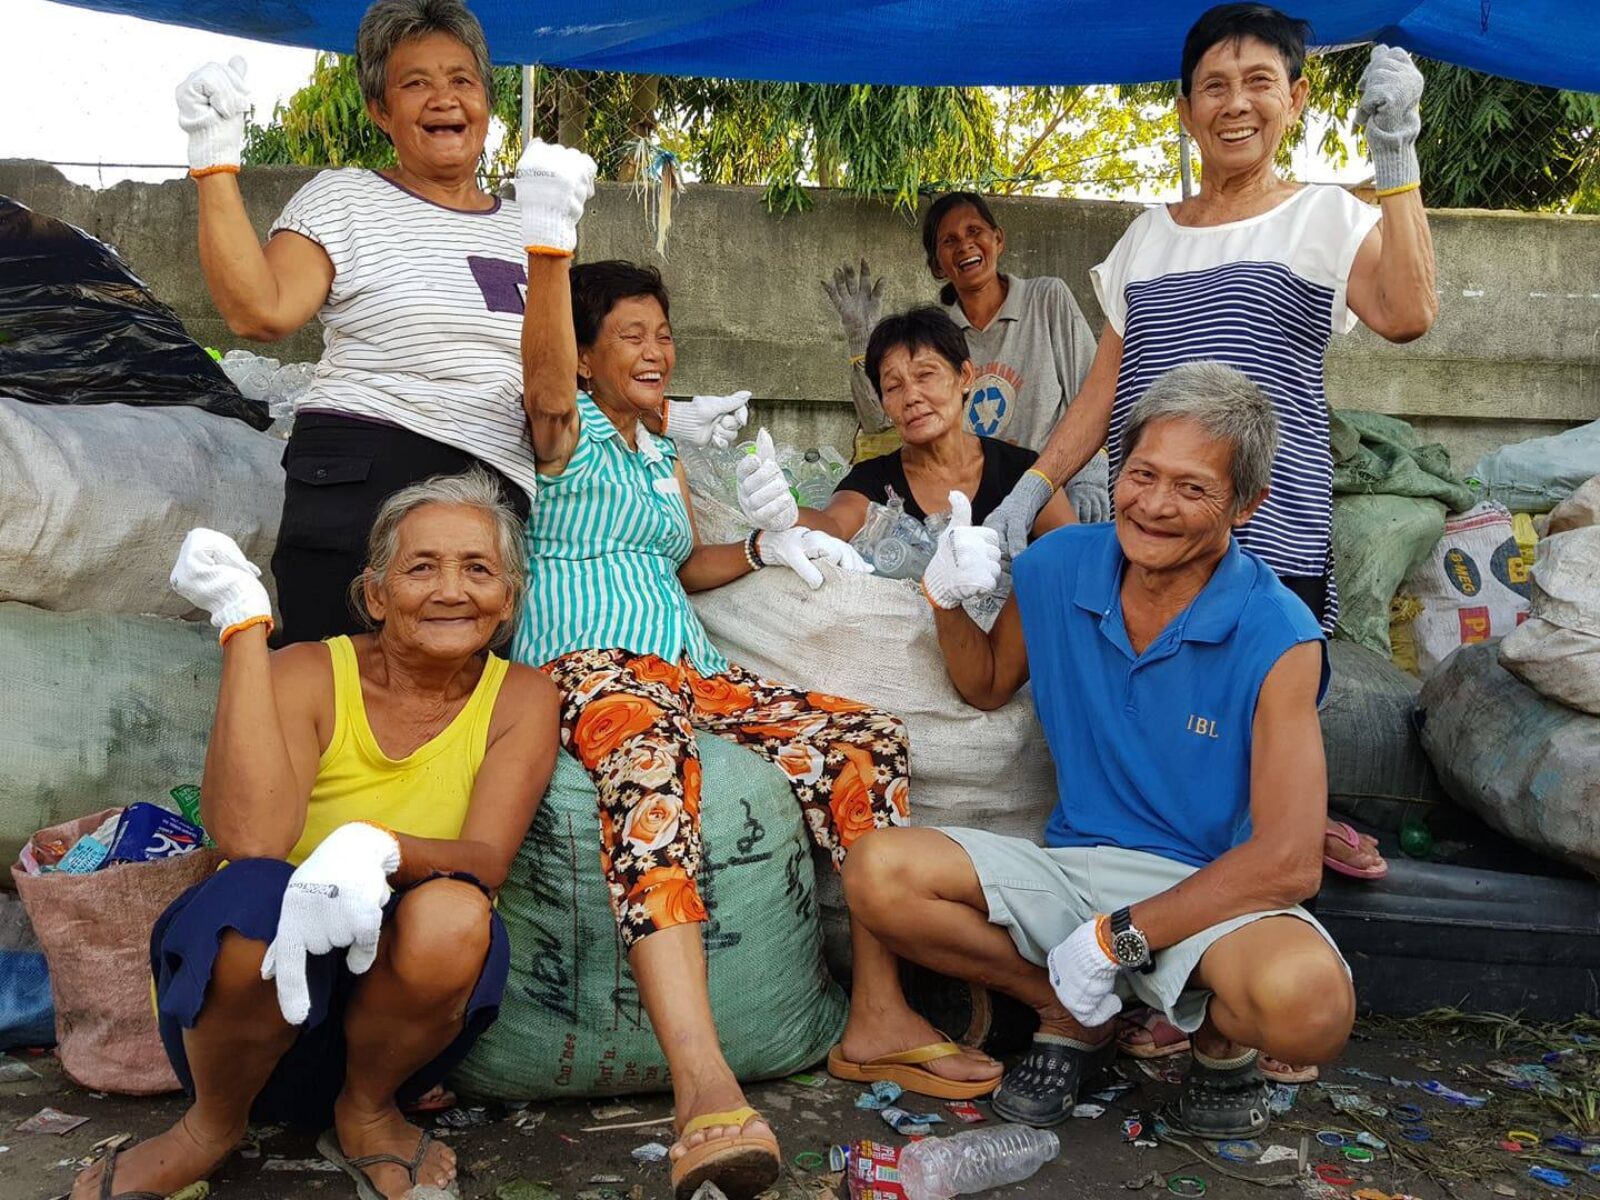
column 1376, row 542
column 571, row 1023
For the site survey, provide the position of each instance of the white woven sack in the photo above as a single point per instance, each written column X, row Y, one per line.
column 1473, row 587
column 95, row 501
column 1556, row 651
column 873, row 640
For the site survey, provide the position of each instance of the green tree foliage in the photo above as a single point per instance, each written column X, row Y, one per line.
column 1486, row 142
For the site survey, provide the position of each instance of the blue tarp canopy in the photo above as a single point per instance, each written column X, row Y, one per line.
column 1554, row 42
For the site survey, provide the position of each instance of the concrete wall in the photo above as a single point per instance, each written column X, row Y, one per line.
column 1515, row 353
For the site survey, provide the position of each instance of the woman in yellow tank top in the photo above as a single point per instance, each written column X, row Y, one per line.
column 370, row 794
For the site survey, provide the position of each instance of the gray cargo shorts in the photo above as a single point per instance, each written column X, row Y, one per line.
column 1041, row 894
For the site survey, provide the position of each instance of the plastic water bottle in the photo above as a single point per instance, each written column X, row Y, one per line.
column 974, row 1161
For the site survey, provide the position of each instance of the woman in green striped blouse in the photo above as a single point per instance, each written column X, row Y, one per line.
column 613, row 553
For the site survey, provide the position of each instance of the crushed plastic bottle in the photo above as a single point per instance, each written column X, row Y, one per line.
column 267, row 381
column 974, row 1161
column 897, row 545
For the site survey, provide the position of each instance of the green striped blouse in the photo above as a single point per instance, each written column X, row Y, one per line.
column 605, row 541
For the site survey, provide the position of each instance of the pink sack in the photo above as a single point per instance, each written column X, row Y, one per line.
column 95, row 933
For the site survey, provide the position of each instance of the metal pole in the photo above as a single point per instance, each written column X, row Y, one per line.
column 527, row 104
column 1185, row 172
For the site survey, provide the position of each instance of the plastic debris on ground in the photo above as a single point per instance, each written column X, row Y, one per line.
column 650, row 1152
column 1282, row 1097
column 1154, row 1179
column 527, row 1121
column 879, row 1096
column 51, row 1120
column 1277, row 1154
column 910, row 1124
column 808, row 1081
column 463, row 1118
column 1136, row 1131
column 1089, row 1112
column 1112, row 1091
column 965, row 1111
column 708, row 1191
column 1545, row 1175
column 1350, row 1103
column 610, row 1112
column 15, row 1071
column 1434, row 1088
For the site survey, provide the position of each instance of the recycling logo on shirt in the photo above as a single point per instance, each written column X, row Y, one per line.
column 993, row 396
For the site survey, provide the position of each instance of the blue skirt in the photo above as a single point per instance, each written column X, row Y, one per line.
column 246, row 897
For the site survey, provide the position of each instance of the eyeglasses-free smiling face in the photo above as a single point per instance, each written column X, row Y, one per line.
column 967, row 248
column 631, row 361
column 1174, row 497
column 1241, row 105
column 435, row 109
column 445, row 592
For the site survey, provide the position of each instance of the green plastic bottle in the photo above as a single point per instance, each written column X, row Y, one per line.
column 1416, row 840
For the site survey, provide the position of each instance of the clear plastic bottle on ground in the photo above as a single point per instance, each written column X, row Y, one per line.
column 974, row 1161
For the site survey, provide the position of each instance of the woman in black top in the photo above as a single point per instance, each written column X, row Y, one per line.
column 917, row 362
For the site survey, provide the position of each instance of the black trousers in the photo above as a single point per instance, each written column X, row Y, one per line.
column 337, row 472
column 1313, row 589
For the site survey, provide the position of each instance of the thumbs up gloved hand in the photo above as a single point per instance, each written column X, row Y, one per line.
column 1391, row 89
column 212, row 573
column 553, row 184
column 334, row 900
column 800, row 549
column 707, row 420
column 212, row 103
column 966, row 562
column 764, row 495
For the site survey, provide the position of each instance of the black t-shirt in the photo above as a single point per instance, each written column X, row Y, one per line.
column 1003, row 465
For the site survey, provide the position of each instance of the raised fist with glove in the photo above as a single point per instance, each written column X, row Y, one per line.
column 1084, row 974
column 707, row 420
column 212, row 104
column 966, row 561
column 553, row 183
column 764, row 495
column 858, row 300
column 212, row 573
column 334, row 901
column 1089, row 491
column 1391, row 89
column 800, row 549
column 1014, row 516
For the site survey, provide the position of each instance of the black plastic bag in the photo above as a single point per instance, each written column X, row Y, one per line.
column 78, row 327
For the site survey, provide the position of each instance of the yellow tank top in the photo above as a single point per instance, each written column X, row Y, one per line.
column 424, row 794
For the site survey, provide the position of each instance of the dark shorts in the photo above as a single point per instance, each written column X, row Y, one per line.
column 1313, row 589
column 337, row 472
column 245, row 897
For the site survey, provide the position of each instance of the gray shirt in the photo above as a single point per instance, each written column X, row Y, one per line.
column 1030, row 361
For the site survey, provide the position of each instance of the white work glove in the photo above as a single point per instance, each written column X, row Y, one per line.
column 334, row 900
column 1014, row 516
column 707, row 420
column 553, row 184
column 212, row 573
column 1391, row 89
column 1089, row 491
column 1084, row 976
column 212, row 103
column 800, row 549
column 966, row 561
column 764, row 495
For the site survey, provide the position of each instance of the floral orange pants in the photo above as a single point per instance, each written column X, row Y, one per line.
column 630, row 721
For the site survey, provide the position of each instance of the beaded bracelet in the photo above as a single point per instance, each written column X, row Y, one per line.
column 752, row 550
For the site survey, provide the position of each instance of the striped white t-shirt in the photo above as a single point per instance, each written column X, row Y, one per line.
column 423, row 325
column 1263, row 295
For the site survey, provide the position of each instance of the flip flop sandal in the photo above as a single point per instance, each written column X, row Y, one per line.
column 1222, row 1103
column 1282, row 1072
column 906, row 1069
column 1043, row 1088
column 108, row 1177
column 1342, row 831
column 328, row 1147
column 1162, row 1039
column 741, row 1165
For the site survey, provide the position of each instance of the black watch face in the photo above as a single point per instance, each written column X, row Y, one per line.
column 1128, row 947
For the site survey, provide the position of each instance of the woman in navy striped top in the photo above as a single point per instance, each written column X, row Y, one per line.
column 1258, row 272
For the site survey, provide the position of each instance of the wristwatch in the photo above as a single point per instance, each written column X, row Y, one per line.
column 1128, row 943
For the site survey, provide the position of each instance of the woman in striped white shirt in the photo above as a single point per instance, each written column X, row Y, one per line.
column 612, row 555
column 415, row 273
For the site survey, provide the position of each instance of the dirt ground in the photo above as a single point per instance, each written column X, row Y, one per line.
column 556, row 1147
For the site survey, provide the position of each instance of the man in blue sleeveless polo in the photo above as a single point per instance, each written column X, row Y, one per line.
column 1177, row 682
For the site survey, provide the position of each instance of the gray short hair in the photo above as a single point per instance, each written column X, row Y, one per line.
column 1229, row 406
column 474, row 488
column 387, row 23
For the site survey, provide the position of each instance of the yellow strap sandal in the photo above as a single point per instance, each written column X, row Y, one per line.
column 742, row 1165
column 906, row 1068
